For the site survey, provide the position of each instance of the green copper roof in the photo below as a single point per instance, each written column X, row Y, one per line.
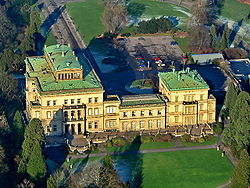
column 39, row 69
column 183, row 80
column 62, row 57
column 146, row 99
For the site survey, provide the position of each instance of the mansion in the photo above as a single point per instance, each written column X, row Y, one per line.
column 66, row 94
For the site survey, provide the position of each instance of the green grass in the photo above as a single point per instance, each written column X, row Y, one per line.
column 87, row 17
column 134, row 147
column 210, row 142
column 197, row 168
column 234, row 10
column 183, row 43
column 51, row 40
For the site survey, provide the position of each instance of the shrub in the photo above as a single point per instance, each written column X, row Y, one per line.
column 119, row 141
column 208, row 137
column 235, row 53
column 217, row 127
column 163, row 138
column 147, row 139
column 155, row 25
column 109, row 143
column 186, row 138
column 201, row 140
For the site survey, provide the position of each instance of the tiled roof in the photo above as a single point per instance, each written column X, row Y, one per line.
column 183, row 80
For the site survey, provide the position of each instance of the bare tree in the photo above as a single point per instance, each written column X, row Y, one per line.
column 199, row 12
column 199, row 38
column 114, row 17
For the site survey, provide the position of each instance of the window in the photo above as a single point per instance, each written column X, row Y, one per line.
column 48, row 115
column 79, row 113
column 110, row 123
column 201, row 106
column 54, row 128
column 48, row 103
column 210, row 107
column 125, row 114
column 37, row 114
column 176, row 108
column 111, row 110
column 176, row 119
column 90, row 111
column 142, row 113
column 210, row 116
column 201, row 97
column 96, row 111
column 66, row 114
column 133, row 125
column 150, row 113
column 96, row 99
column 78, row 101
column 176, row 98
column 133, row 113
column 96, row 125
column 54, row 102
column 159, row 112
column 125, row 126
column 72, row 101
column 142, row 124
column 54, row 114
column 201, row 117
column 34, row 90
column 159, row 123
column 90, row 125
column 66, row 101
column 189, row 97
column 33, row 83
column 72, row 114
column 90, row 100
column 150, row 124
column 189, row 109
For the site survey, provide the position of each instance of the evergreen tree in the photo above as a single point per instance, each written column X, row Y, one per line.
column 51, row 182
column 227, row 34
column 237, row 134
column 18, row 128
column 36, row 167
column 213, row 32
column 223, row 41
column 242, row 172
column 33, row 133
column 231, row 96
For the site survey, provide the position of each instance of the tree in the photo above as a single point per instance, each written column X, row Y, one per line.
column 3, row 166
column 18, row 128
column 242, row 172
column 231, row 96
column 36, row 166
column 199, row 13
column 51, row 182
column 114, row 17
column 237, row 134
column 223, row 41
column 213, row 33
column 33, row 133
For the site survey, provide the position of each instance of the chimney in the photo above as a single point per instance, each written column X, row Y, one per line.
column 62, row 54
column 173, row 70
column 45, row 46
column 73, row 52
column 76, row 58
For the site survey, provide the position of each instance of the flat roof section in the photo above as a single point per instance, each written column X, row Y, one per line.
column 183, row 80
column 147, row 99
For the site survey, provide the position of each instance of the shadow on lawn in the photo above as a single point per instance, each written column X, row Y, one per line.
column 132, row 160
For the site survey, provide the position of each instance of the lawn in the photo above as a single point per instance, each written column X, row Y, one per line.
column 183, row 43
column 234, row 10
column 87, row 17
column 50, row 39
column 197, row 168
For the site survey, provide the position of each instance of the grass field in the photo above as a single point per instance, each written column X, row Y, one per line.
column 87, row 17
column 234, row 10
column 197, row 168
column 183, row 43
